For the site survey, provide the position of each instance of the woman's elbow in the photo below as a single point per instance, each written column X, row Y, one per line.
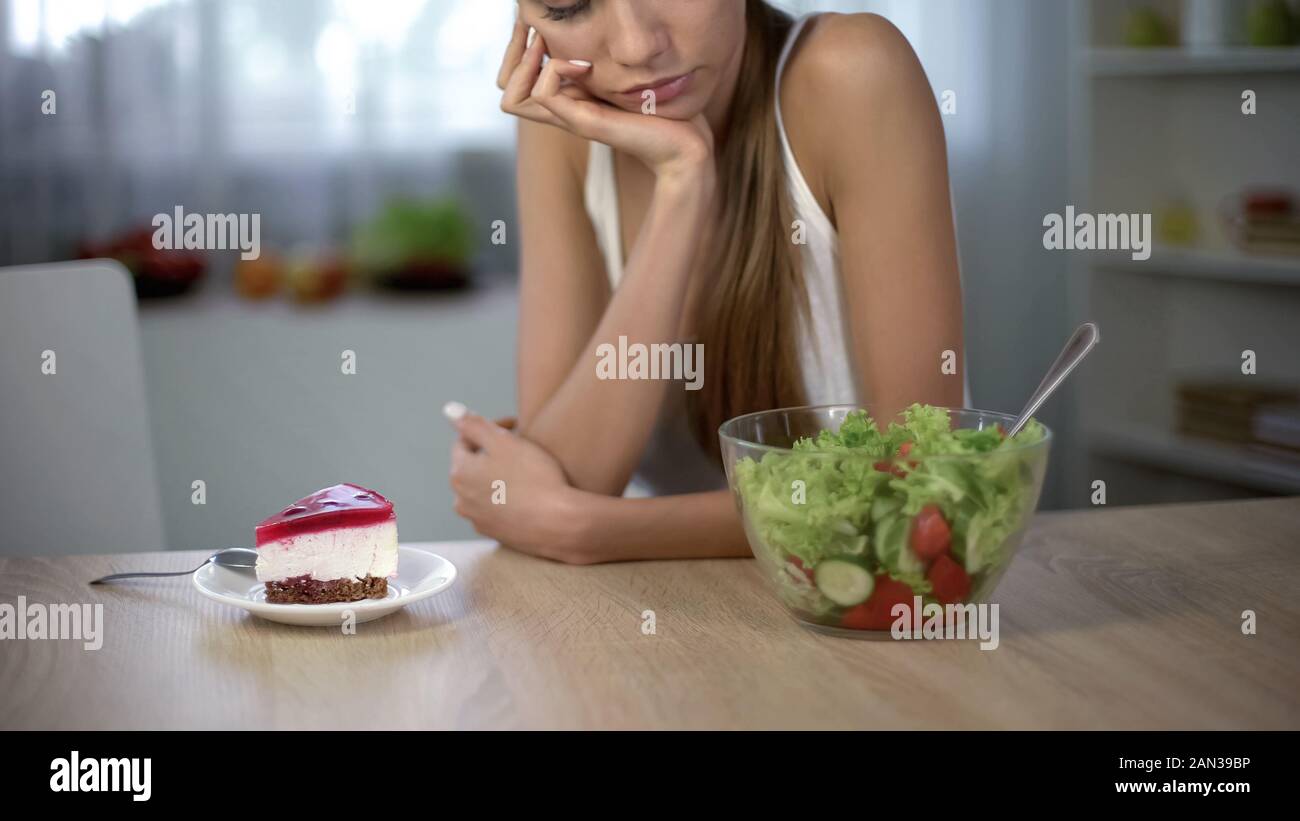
column 580, row 473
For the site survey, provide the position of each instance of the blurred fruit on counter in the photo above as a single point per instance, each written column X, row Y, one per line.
column 308, row 275
column 1147, row 28
column 157, row 273
column 316, row 277
column 415, row 245
column 1176, row 224
column 259, row 278
column 1271, row 23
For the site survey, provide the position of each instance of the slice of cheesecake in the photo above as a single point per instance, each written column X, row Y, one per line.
column 336, row 545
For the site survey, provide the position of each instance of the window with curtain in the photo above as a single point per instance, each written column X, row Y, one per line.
column 288, row 75
column 312, row 111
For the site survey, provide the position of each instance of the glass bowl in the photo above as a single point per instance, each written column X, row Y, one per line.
column 843, row 536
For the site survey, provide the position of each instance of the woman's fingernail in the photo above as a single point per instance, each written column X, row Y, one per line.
column 454, row 411
column 532, row 35
column 582, row 63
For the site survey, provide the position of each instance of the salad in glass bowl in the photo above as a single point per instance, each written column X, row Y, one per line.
column 848, row 517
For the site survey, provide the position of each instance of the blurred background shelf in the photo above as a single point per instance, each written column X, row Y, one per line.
column 1128, row 62
column 1227, row 265
column 1163, row 130
column 1220, row 462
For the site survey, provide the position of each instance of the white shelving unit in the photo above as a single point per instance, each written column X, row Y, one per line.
column 1124, row 62
column 1219, row 265
column 1202, row 458
column 1152, row 127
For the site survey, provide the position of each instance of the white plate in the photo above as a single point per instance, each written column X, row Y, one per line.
column 420, row 574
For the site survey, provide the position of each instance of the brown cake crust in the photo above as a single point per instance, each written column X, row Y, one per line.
column 306, row 590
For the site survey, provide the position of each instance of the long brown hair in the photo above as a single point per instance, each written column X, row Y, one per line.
column 750, row 313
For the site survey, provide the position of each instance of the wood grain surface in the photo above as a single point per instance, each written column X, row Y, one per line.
column 1121, row 618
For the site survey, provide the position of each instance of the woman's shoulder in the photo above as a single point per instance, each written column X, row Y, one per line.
column 847, row 73
column 849, row 54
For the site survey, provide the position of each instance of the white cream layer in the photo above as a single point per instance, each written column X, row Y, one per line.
column 341, row 553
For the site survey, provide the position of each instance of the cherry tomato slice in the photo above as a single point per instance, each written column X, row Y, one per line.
column 949, row 579
column 931, row 535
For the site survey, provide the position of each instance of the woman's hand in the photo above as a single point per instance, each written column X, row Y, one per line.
column 669, row 148
column 515, row 492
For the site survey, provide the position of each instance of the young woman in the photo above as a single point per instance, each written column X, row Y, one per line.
column 781, row 190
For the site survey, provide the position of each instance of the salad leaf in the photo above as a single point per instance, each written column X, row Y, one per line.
column 895, row 554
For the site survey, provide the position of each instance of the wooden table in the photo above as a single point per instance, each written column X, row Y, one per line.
column 1119, row 618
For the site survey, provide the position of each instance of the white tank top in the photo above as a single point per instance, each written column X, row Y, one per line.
column 673, row 461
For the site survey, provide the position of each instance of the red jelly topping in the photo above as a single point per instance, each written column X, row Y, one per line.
column 344, row 505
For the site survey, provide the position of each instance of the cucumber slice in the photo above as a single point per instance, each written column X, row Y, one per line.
column 843, row 582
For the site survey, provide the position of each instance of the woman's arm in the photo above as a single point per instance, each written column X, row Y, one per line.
column 597, row 429
column 880, row 166
column 563, row 289
column 513, row 491
column 688, row 526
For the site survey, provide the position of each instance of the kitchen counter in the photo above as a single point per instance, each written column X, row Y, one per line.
column 1109, row 618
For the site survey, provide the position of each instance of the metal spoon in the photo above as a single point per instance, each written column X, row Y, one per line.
column 1085, row 338
column 235, row 557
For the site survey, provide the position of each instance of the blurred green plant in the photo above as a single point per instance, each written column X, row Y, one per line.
column 409, row 233
column 1146, row 28
column 1270, row 23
